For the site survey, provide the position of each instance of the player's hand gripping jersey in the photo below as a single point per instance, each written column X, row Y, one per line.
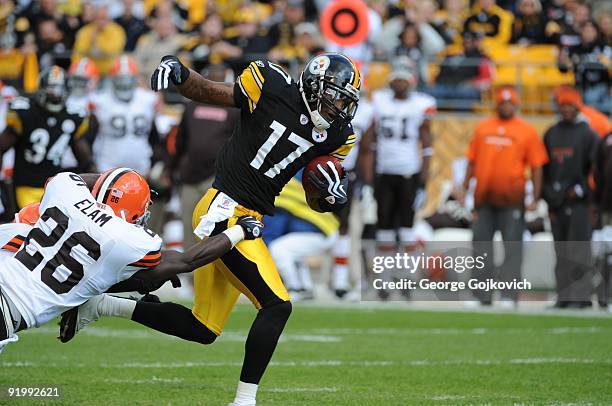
column 43, row 139
column 275, row 137
column 397, row 128
column 77, row 249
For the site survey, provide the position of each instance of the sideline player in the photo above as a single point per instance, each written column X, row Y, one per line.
column 399, row 163
column 42, row 129
column 81, row 246
column 283, row 126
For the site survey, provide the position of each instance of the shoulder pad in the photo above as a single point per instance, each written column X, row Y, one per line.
column 20, row 103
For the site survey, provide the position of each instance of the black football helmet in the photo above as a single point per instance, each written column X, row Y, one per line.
column 330, row 84
column 52, row 89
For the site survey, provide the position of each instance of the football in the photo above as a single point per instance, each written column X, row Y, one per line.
column 310, row 188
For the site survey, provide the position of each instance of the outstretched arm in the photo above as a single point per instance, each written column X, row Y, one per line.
column 190, row 83
column 202, row 253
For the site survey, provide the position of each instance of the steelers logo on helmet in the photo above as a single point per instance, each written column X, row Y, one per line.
column 319, row 64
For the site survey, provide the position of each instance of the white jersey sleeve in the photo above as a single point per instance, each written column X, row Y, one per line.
column 76, row 250
column 12, row 236
column 361, row 123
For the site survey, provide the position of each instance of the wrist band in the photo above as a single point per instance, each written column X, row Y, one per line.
column 427, row 151
column 235, row 234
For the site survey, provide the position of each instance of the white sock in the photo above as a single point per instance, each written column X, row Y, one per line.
column 245, row 394
column 340, row 275
column 116, row 306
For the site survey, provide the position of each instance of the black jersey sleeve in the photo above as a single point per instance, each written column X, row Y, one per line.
column 15, row 115
column 342, row 151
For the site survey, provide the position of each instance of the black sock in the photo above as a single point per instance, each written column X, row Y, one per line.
column 173, row 319
column 262, row 340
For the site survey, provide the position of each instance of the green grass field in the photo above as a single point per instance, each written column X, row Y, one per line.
column 332, row 356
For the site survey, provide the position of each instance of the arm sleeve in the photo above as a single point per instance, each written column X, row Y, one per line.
column 82, row 130
column 13, row 122
column 343, row 150
column 249, row 85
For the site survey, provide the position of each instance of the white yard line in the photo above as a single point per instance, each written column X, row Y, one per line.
column 325, row 363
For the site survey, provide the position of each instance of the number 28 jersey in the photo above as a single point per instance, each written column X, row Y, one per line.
column 76, row 250
column 275, row 138
column 42, row 139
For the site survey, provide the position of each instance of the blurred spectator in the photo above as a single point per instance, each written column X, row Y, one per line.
column 491, row 20
column 570, row 25
column 604, row 21
column 175, row 11
column 102, row 40
column 451, row 19
column 296, row 232
column 36, row 12
column 530, row 23
column 463, row 76
column 599, row 122
column 394, row 36
column 193, row 164
column 209, row 47
column 50, row 43
column 572, row 148
column 133, row 26
column 248, row 36
column 282, row 34
column 501, row 150
column 162, row 40
column 590, row 61
column 308, row 41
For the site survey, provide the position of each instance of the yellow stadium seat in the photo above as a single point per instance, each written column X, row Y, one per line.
column 377, row 75
column 541, row 54
column 506, row 75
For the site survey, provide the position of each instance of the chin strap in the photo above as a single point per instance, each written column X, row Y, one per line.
column 317, row 119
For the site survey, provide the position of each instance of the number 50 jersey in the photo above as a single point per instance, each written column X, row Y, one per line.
column 76, row 250
column 275, row 138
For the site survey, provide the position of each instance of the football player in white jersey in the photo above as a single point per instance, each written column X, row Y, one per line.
column 83, row 77
column 342, row 247
column 125, row 114
column 397, row 148
column 86, row 242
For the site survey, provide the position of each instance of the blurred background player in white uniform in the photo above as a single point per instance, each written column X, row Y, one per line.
column 125, row 114
column 340, row 281
column 83, row 79
column 397, row 149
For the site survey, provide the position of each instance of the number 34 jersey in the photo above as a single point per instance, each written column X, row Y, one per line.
column 42, row 139
column 76, row 250
column 123, row 136
column 275, row 138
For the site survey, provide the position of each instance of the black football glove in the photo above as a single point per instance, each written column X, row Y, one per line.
column 251, row 226
column 332, row 190
column 169, row 69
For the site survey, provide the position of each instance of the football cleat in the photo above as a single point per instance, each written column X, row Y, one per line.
column 76, row 319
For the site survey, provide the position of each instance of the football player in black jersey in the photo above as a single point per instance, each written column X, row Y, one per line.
column 283, row 126
column 41, row 129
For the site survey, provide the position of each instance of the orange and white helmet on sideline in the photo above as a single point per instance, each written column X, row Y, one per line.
column 126, row 192
column 124, row 77
column 83, row 76
column 28, row 214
